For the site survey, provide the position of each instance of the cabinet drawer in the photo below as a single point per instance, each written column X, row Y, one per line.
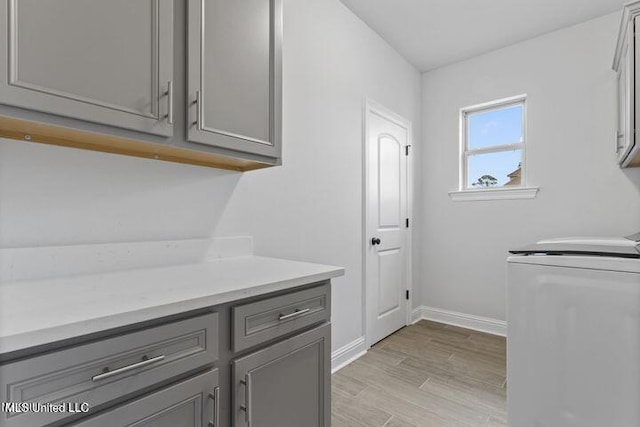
column 191, row 403
column 101, row 371
column 270, row 318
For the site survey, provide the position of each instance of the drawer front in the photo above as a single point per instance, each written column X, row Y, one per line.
column 192, row 403
column 101, row 371
column 263, row 320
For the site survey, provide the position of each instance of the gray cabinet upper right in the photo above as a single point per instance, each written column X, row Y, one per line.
column 234, row 75
column 625, row 65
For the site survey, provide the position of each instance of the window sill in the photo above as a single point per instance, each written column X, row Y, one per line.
column 494, row 194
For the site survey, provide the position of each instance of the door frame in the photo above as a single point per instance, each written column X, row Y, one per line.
column 371, row 106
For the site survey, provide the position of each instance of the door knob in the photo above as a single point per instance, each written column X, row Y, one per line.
column 375, row 241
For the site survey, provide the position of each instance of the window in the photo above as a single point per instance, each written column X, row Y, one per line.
column 493, row 143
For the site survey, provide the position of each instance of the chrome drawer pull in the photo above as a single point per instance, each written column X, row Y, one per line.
column 198, row 102
column 247, row 398
column 169, row 95
column 619, row 136
column 215, row 396
column 294, row 314
column 109, row 374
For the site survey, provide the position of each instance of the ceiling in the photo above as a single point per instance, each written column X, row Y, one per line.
column 433, row 33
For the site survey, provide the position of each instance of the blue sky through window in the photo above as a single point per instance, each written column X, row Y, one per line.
column 498, row 165
column 490, row 128
column 496, row 127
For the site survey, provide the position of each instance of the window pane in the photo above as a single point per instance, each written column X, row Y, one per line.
column 495, row 127
column 494, row 170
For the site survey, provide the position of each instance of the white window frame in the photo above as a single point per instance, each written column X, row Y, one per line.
column 512, row 192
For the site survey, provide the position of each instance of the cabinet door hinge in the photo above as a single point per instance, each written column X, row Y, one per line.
column 407, row 293
column 406, row 150
column 407, row 222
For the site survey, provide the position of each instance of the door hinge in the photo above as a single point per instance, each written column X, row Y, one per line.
column 406, row 150
column 407, row 222
column 407, row 293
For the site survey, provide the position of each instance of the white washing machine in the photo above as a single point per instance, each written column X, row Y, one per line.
column 573, row 335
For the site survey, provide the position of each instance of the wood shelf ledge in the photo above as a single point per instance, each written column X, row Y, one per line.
column 29, row 131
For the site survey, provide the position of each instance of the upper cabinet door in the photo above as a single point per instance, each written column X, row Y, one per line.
column 235, row 75
column 108, row 62
column 625, row 137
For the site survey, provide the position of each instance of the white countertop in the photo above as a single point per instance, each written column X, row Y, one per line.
column 43, row 311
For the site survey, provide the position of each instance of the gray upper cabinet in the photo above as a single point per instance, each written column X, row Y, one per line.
column 196, row 82
column 625, row 64
column 109, row 62
column 235, row 75
column 285, row 385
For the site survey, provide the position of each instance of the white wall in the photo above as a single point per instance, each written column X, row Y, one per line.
column 308, row 209
column 570, row 156
column 311, row 207
column 55, row 196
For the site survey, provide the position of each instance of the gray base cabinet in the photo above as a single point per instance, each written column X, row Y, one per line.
column 257, row 323
column 100, row 372
column 191, row 403
column 258, row 362
column 286, row 384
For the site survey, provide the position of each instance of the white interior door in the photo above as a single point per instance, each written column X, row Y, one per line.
column 387, row 141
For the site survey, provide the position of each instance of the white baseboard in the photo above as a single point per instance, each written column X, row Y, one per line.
column 469, row 321
column 348, row 353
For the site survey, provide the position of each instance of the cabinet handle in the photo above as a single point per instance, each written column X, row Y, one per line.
column 145, row 361
column 294, row 314
column 198, row 103
column 247, row 398
column 169, row 95
column 619, row 136
column 215, row 396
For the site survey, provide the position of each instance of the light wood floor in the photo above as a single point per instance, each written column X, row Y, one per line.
column 427, row 374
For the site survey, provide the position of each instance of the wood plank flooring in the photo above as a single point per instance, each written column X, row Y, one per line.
column 428, row 374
